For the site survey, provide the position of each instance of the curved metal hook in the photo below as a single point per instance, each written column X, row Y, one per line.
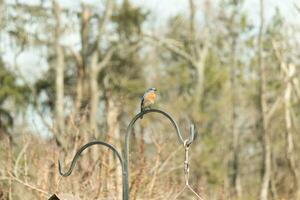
column 129, row 130
column 180, row 138
column 193, row 134
column 78, row 153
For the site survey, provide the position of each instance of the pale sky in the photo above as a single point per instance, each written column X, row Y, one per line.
column 162, row 9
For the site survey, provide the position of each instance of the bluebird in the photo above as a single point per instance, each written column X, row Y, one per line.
column 148, row 99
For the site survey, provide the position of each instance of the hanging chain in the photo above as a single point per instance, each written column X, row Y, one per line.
column 186, row 163
column 187, row 170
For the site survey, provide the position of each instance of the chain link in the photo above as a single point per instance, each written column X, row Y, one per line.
column 186, row 163
column 186, row 169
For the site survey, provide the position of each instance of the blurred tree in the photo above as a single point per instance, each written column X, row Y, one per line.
column 11, row 95
column 236, row 28
column 59, row 69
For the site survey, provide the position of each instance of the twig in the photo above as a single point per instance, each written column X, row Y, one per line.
column 167, row 44
column 19, row 158
column 273, row 109
column 28, row 185
column 162, row 166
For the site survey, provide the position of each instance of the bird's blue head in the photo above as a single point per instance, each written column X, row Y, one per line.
column 152, row 89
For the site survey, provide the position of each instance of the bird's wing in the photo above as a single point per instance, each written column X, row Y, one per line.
column 142, row 100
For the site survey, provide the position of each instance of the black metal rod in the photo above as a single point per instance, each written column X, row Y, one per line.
column 193, row 134
column 78, row 153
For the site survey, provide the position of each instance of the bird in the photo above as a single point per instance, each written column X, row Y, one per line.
column 148, row 99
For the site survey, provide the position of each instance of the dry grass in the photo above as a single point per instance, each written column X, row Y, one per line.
column 29, row 168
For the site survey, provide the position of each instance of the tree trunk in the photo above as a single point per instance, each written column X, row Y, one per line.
column 96, row 67
column 265, row 135
column 94, row 100
column 81, row 66
column 79, row 88
column 200, row 77
column 236, row 182
column 59, row 68
column 113, row 137
column 289, row 72
column 199, row 56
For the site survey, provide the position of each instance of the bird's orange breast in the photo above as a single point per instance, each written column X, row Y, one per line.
column 151, row 96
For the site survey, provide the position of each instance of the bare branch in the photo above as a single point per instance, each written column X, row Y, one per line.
column 273, row 109
column 76, row 55
column 105, row 18
column 106, row 59
column 170, row 46
column 45, row 193
column 19, row 158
